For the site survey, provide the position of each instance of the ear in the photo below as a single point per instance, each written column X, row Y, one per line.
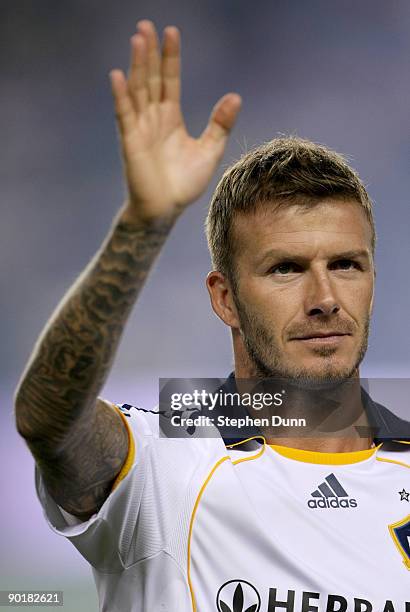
column 373, row 291
column 220, row 293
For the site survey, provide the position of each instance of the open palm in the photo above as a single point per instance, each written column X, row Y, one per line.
column 166, row 169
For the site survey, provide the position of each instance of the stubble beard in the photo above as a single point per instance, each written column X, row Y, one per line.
column 267, row 361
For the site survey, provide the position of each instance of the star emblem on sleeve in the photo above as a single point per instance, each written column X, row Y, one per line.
column 404, row 495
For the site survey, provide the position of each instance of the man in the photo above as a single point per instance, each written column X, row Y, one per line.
column 290, row 522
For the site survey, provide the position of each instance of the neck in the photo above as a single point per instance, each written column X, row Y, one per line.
column 334, row 417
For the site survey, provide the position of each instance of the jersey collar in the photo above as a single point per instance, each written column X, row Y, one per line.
column 387, row 427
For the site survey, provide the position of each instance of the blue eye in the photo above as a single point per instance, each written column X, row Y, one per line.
column 345, row 264
column 284, row 268
column 289, row 267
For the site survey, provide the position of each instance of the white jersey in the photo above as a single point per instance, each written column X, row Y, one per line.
column 198, row 526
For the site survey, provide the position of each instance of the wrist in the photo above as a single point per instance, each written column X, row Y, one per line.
column 130, row 217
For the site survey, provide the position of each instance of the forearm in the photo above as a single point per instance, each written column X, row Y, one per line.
column 73, row 355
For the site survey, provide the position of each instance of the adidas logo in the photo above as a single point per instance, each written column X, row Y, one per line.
column 331, row 494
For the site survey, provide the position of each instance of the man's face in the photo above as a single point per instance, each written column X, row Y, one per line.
column 305, row 281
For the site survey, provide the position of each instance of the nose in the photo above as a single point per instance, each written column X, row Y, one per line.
column 321, row 295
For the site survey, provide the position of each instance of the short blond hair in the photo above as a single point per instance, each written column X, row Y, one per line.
column 283, row 171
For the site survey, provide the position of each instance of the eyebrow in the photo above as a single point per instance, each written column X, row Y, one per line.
column 282, row 254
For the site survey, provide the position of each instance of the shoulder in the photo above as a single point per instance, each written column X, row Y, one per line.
column 389, row 428
column 150, row 428
column 396, row 451
column 141, row 420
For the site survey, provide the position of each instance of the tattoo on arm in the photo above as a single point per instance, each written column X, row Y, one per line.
column 56, row 408
column 80, row 476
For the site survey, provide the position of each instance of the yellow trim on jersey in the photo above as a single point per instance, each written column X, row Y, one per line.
column 392, row 527
column 324, row 458
column 402, row 441
column 247, row 440
column 258, row 454
column 191, row 524
column 130, row 455
column 393, row 461
column 198, row 499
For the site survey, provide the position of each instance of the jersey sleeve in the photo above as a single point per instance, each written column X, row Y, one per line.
column 136, row 518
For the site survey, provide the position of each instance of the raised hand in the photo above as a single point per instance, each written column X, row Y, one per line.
column 165, row 168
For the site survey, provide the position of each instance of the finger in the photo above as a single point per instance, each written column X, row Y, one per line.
column 222, row 119
column 147, row 29
column 124, row 109
column 138, row 72
column 171, row 64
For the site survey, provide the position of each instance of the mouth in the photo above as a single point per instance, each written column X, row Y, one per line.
column 332, row 337
column 327, row 334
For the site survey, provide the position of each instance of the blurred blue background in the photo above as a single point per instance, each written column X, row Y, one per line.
column 335, row 72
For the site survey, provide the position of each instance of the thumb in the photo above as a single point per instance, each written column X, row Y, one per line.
column 222, row 119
